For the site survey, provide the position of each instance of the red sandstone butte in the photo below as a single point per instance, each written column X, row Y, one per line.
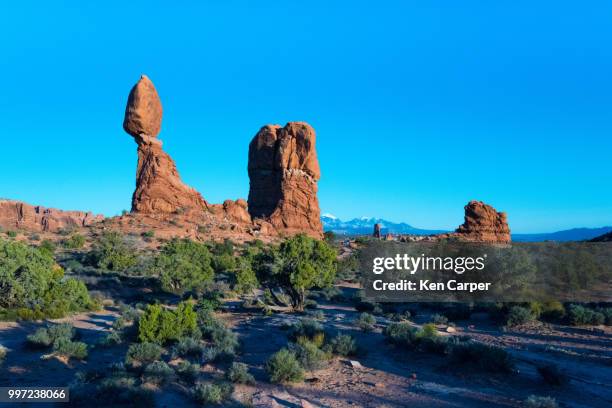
column 483, row 224
column 283, row 172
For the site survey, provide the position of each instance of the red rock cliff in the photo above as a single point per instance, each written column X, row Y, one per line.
column 19, row 215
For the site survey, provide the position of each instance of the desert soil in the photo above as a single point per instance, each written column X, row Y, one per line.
column 380, row 376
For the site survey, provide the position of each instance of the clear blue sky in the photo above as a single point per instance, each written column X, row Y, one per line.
column 418, row 106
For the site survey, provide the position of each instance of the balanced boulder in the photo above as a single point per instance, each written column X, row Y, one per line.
column 159, row 188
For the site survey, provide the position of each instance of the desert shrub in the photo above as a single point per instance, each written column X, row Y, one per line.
column 580, row 316
column 207, row 322
column 47, row 245
column 143, row 353
column 310, row 304
column 310, row 356
column 439, row 319
column 187, row 347
column 65, row 296
column 75, row 241
column 33, row 285
column 211, row 354
column 366, row 322
column 71, row 349
column 400, row 334
column 299, row 264
column 222, row 248
column 551, row 374
column 47, row 336
column 159, row 325
column 428, row 339
column 120, row 391
column 534, row 401
column 481, row 356
column 158, row 372
column 424, row 339
column 148, row 236
column 607, row 312
column 112, row 251
column 112, row 339
column 11, row 234
column 188, row 371
column 518, row 315
column 184, row 265
column 309, row 328
column 344, row 345
column 318, row 315
column 225, row 341
column 34, row 237
column 331, row 293
column 243, row 277
column 212, row 393
column 348, row 268
column 553, row 310
column 210, row 302
column 239, row 373
column 224, row 262
column 283, row 366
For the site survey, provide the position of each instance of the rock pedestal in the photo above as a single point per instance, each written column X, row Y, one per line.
column 159, row 188
column 377, row 231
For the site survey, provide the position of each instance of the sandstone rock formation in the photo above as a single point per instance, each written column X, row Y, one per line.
column 159, row 188
column 19, row 215
column 283, row 172
column 483, row 224
column 237, row 211
column 377, row 231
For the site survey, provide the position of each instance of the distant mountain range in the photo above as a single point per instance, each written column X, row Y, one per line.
column 365, row 226
column 574, row 234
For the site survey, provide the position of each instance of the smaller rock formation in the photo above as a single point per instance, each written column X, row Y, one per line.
column 483, row 224
column 377, row 231
column 19, row 215
column 159, row 188
column 237, row 211
column 283, row 172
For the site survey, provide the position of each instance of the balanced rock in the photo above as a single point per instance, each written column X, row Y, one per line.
column 143, row 113
column 483, row 224
column 159, row 188
column 283, row 172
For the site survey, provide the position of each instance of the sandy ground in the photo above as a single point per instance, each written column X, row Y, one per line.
column 385, row 377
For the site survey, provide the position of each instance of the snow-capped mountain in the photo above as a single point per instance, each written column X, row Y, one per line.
column 365, row 226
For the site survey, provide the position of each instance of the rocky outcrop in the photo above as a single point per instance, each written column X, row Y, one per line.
column 236, row 211
column 377, row 231
column 159, row 188
column 283, row 172
column 483, row 224
column 19, row 215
